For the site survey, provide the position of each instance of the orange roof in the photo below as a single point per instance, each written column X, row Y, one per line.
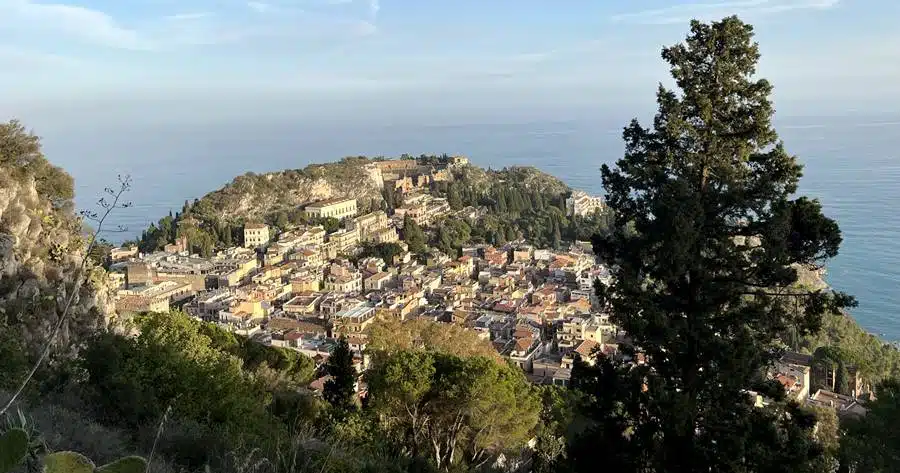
column 586, row 348
column 524, row 343
column 786, row 381
column 319, row 384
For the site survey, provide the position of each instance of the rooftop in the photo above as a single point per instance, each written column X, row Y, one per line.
column 328, row 202
column 355, row 312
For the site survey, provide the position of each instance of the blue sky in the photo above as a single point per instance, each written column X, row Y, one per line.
column 199, row 60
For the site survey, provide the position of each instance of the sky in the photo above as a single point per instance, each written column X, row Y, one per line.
column 92, row 62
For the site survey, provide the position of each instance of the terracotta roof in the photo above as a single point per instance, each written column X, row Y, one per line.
column 787, row 381
column 524, row 343
column 319, row 384
column 586, row 348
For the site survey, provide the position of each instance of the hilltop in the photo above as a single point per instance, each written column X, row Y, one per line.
column 257, row 196
column 254, row 196
column 216, row 220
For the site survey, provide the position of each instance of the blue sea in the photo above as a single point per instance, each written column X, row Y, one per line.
column 852, row 166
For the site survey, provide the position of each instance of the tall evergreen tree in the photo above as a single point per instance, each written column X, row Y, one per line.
column 714, row 240
column 339, row 391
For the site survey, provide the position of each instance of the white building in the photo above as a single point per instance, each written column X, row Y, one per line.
column 582, row 204
column 337, row 208
column 256, row 235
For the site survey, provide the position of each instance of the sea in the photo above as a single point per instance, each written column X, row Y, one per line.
column 852, row 164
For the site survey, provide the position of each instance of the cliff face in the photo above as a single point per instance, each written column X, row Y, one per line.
column 41, row 249
column 252, row 196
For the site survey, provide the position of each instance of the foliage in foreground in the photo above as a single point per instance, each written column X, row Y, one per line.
column 453, row 409
column 15, row 445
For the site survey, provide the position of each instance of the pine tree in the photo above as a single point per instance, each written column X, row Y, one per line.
column 339, row 391
column 705, row 253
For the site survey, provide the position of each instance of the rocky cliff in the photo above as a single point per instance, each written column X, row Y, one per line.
column 41, row 250
column 253, row 196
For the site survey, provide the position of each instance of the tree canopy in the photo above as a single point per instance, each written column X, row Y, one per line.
column 708, row 190
column 20, row 153
column 872, row 443
column 453, row 410
column 388, row 336
column 340, row 389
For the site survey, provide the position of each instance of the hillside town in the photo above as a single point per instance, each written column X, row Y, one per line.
column 304, row 288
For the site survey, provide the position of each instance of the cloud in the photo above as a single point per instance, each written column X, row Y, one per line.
column 189, row 16
column 374, row 8
column 260, row 6
column 67, row 24
column 716, row 10
column 77, row 22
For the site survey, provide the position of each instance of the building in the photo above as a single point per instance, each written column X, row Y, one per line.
column 153, row 297
column 307, row 282
column 344, row 240
column 256, row 235
column 582, row 204
column 303, row 304
column 343, row 283
column 369, row 224
column 133, row 303
column 308, row 258
column 208, row 304
column 378, row 282
column 385, row 235
column 793, row 372
column 120, row 254
column 336, row 208
column 353, row 320
column 180, row 245
column 846, row 406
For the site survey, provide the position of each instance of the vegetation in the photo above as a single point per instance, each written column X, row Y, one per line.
column 14, row 450
column 519, row 203
column 217, row 219
column 872, row 443
column 340, row 389
column 390, row 336
column 875, row 359
column 716, row 234
column 452, row 409
column 414, row 237
column 708, row 246
column 385, row 251
column 20, row 155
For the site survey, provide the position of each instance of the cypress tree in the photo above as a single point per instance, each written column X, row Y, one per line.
column 339, row 390
column 713, row 244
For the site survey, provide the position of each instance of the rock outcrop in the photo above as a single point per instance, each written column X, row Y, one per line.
column 251, row 196
column 41, row 254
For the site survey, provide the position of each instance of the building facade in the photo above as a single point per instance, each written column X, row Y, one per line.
column 256, row 235
column 582, row 204
column 336, row 208
column 368, row 223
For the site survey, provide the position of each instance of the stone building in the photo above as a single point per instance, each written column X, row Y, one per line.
column 337, row 208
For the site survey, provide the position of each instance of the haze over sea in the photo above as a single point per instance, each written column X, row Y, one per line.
column 852, row 165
